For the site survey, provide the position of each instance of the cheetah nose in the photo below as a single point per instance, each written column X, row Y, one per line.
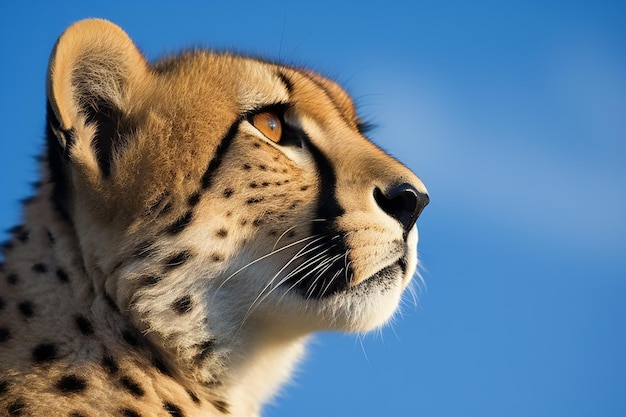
column 403, row 202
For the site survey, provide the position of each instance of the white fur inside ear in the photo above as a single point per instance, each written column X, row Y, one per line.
column 81, row 150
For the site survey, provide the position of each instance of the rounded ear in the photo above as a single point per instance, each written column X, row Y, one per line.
column 93, row 71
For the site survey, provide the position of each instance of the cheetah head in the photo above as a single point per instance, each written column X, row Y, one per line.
column 215, row 195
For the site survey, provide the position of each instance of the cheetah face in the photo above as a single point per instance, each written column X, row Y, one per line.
column 226, row 190
column 341, row 241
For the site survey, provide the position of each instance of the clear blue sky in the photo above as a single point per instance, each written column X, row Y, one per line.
column 515, row 118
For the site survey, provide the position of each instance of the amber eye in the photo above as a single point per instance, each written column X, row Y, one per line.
column 269, row 124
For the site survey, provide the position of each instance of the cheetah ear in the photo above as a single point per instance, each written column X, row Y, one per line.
column 94, row 71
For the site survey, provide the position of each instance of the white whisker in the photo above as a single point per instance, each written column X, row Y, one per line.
column 273, row 252
column 332, row 280
column 263, row 294
column 292, row 228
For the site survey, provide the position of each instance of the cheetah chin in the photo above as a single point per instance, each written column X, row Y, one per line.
column 197, row 219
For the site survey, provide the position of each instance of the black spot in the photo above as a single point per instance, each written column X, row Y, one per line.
column 84, row 325
column 292, row 233
column 304, row 188
column 150, row 280
column 173, row 410
column 132, row 386
column 26, row 309
column 109, row 364
column 7, row 246
column 265, row 184
column 40, row 268
column 178, row 259
column 228, row 192
column 183, row 305
column 247, row 167
column 4, row 387
column 12, row 279
column 51, row 238
column 143, row 249
column 253, row 185
column 262, row 167
column 77, row 415
column 130, row 337
column 62, row 275
column 222, row 233
column 193, row 397
column 180, row 224
column 5, row 334
column 16, row 408
column 194, row 199
column 160, row 366
column 21, row 233
column 204, row 349
column 257, row 222
column 254, row 200
column 165, row 209
column 129, row 412
column 221, row 406
column 257, row 145
column 44, row 352
column 71, row 384
column 216, row 257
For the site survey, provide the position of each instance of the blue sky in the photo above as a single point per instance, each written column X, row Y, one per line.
column 514, row 115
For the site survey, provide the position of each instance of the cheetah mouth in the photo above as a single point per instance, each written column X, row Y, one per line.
column 384, row 278
column 337, row 281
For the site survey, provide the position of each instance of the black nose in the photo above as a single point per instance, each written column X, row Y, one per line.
column 403, row 202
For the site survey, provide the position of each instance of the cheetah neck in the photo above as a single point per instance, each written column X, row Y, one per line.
column 78, row 326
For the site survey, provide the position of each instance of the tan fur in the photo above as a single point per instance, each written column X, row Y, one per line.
column 162, row 286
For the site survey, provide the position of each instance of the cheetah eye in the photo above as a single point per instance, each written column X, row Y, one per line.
column 269, row 124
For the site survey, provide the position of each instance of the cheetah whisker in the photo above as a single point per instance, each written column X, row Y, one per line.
column 264, row 293
column 267, row 255
column 309, row 273
column 292, row 228
column 299, row 254
column 320, row 273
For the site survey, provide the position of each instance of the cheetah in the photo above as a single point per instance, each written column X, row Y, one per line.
column 197, row 219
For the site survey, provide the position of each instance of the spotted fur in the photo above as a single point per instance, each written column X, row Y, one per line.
column 176, row 255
